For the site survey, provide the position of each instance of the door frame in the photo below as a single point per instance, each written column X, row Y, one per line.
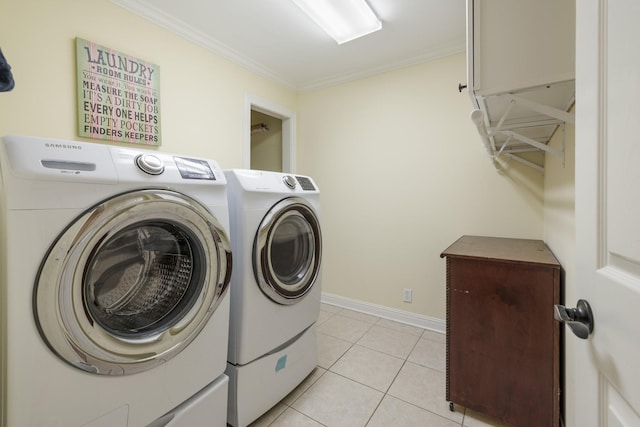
column 288, row 117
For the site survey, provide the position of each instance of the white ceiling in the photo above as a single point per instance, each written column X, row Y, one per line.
column 275, row 39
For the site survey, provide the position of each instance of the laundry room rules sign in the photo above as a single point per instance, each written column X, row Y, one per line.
column 118, row 95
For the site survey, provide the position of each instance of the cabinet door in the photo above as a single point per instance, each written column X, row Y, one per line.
column 520, row 44
column 502, row 340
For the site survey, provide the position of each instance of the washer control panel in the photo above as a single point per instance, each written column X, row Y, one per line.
column 190, row 168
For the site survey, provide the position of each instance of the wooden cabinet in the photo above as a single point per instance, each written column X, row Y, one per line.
column 503, row 344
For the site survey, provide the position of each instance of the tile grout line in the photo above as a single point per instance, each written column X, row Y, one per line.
column 331, row 315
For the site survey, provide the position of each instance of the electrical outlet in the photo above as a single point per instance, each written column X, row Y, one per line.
column 407, row 295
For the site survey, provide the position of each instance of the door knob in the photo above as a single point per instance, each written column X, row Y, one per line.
column 579, row 319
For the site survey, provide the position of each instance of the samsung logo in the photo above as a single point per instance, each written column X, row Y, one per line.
column 64, row 146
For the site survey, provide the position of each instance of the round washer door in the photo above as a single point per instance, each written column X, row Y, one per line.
column 287, row 251
column 132, row 281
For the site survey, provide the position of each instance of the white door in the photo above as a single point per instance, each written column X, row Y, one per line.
column 608, row 211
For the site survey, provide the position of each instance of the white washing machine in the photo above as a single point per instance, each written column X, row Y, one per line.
column 275, row 288
column 115, row 265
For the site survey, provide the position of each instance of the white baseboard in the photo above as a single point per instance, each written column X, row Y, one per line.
column 425, row 322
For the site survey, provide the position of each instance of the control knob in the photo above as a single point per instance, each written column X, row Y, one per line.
column 289, row 181
column 150, row 164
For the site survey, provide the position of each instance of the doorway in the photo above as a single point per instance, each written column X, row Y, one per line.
column 266, row 112
column 266, row 142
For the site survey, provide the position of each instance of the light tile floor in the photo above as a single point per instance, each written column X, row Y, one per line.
column 372, row 372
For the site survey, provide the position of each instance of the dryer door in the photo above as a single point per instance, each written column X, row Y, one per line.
column 287, row 251
column 132, row 281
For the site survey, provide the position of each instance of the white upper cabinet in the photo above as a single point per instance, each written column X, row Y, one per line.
column 521, row 73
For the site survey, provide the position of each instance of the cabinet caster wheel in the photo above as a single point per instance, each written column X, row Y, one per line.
column 451, row 407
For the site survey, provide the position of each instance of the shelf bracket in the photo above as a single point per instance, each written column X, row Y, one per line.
column 533, row 142
column 525, row 162
column 541, row 108
column 487, row 133
column 504, row 145
column 504, row 116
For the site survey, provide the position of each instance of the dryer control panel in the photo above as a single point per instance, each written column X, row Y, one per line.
column 269, row 181
column 306, row 183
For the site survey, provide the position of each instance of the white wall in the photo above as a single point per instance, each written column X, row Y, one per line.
column 402, row 174
column 202, row 95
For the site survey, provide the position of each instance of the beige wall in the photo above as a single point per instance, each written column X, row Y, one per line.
column 400, row 166
column 402, row 174
column 202, row 95
column 559, row 233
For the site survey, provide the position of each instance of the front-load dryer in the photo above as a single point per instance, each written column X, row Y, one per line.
column 275, row 288
column 115, row 265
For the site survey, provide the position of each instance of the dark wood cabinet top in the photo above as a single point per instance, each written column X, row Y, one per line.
column 500, row 248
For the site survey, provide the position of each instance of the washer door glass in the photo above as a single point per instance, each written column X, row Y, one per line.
column 132, row 282
column 144, row 279
column 287, row 251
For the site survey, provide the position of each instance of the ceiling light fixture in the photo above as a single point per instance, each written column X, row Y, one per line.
column 344, row 20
